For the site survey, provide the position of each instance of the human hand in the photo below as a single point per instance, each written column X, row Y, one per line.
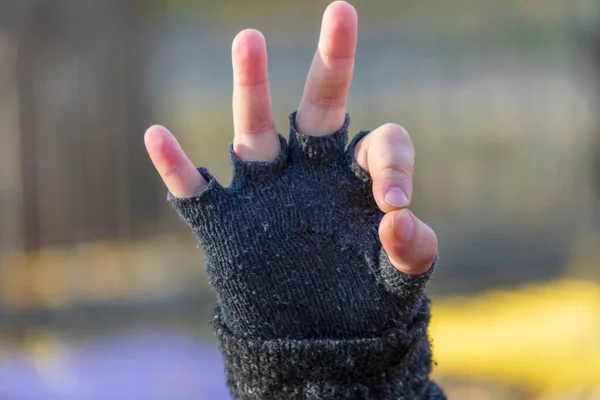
column 386, row 154
column 318, row 265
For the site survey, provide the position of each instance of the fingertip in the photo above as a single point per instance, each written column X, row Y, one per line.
column 396, row 197
column 392, row 189
column 249, row 55
column 339, row 25
column 342, row 9
column 159, row 142
column 156, row 136
column 411, row 244
column 248, row 36
column 177, row 172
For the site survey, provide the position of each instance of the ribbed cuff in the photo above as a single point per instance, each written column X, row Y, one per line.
column 365, row 368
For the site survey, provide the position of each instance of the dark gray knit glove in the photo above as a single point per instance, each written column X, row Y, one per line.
column 309, row 305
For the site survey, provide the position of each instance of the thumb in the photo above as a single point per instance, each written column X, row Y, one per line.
column 410, row 244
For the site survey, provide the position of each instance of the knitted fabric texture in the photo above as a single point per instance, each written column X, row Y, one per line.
column 309, row 305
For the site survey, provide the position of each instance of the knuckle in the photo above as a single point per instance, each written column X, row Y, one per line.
column 328, row 101
column 174, row 170
column 397, row 164
column 391, row 153
column 397, row 173
column 259, row 128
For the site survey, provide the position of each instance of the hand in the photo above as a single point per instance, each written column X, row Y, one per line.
column 387, row 153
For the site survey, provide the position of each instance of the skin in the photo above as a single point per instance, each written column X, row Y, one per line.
column 387, row 153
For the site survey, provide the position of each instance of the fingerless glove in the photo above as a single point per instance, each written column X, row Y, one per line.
column 309, row 305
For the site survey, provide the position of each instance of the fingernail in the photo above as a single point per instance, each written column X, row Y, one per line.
column 404, row 226
column 396, row 197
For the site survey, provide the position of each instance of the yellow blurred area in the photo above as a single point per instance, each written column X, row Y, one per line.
column 95, row 272
column 538, row 337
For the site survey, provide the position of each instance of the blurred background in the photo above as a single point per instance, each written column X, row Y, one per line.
column 102, row 288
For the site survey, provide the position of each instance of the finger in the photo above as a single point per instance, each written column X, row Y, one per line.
column 411, row 245
column 323, row 106
column 174, row 167
column 255, row 134
column 388, row 155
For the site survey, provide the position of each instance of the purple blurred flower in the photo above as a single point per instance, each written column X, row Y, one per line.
column 145, row 366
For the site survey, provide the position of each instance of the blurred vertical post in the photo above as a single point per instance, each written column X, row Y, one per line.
column 80, row 103
column 595, row 51
column 82, row 111
column 26, row 39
